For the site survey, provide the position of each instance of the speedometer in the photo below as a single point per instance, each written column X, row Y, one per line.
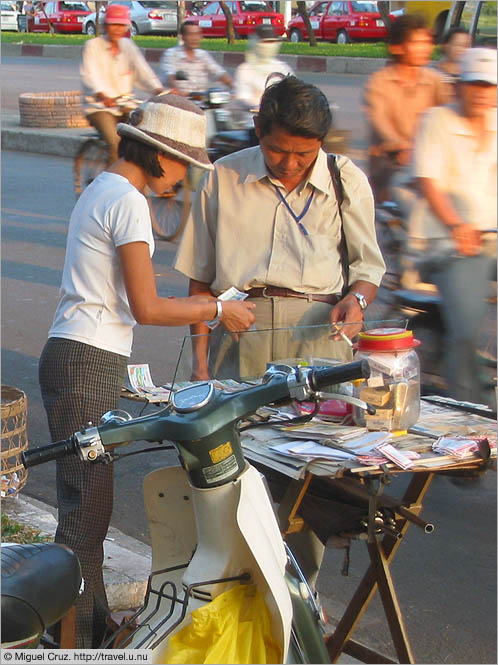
column 193, row 397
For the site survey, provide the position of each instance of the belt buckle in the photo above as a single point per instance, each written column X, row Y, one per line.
column 263, row 293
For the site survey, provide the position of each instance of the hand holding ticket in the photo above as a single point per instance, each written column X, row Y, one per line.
column 230, row 294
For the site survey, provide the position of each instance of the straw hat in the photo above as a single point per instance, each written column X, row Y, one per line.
column 173, row 124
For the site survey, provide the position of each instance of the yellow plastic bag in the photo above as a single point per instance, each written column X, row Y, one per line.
column 233, row 628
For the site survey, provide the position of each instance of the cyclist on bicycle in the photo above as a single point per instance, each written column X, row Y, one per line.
column 112, row 65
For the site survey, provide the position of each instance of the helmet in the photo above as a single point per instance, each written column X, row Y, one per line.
column 117, row 14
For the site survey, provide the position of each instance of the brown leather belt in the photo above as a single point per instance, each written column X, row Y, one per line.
column 281, row 292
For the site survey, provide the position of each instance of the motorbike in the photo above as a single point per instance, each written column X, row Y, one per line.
column 227, row 130
column 420, row 303
column 40, row 583
column 212, row 522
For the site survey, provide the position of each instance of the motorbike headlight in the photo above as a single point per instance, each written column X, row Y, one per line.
column 221, row 115
column 218, row 97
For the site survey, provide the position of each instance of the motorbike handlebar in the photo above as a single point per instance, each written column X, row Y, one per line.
column 185, row 429
column 320, row 378
column 49, row 453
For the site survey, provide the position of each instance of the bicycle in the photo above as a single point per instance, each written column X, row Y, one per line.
column 168, row 211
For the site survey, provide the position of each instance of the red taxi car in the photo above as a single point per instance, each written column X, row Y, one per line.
column 340, row 22
column 246, row 16
column 64, row 17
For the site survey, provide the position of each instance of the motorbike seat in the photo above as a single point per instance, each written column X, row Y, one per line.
column 40, row 583
column 420, row 301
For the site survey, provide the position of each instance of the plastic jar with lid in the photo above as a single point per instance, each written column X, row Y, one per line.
column 393, row 387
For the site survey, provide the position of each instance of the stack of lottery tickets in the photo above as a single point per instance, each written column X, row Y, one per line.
column 456, row 446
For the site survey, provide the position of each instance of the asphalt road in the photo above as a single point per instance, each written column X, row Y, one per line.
column 446, row 581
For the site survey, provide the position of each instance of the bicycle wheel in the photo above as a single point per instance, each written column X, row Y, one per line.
column 169, row 212
column 88, row 163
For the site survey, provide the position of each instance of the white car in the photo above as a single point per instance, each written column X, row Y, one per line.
column 9, row 16
column 147, row 17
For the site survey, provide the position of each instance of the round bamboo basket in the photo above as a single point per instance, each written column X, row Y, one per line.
column 14, row 440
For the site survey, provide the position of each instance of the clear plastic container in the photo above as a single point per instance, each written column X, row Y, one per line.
column 394, row 384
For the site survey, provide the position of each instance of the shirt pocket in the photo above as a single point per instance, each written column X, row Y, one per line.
column 321, row 254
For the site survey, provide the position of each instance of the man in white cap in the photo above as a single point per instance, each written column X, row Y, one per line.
column 112, row 66
column 455, row 167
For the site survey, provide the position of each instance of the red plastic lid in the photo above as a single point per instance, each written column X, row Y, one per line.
column 387, row 339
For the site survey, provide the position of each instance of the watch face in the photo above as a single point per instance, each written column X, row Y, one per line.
column 361, row 300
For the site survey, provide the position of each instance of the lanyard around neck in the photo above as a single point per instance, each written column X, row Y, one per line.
column 296, row 218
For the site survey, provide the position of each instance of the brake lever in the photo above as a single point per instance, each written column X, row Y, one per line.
column 355, row 401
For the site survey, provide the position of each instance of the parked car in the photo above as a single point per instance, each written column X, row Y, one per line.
column 340, row 22
column 8, row 16
column 246, row 16
column 479, row 18
column 63, row 16
column 147, row 17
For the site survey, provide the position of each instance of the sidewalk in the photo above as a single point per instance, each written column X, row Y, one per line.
column 126, row 560
column 299, row 63
column 61, row 141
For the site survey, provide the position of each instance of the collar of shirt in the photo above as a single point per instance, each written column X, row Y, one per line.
column 108, row 46
column 425, row 75
column 461, row 127
column 319, row 176
column 183, row 53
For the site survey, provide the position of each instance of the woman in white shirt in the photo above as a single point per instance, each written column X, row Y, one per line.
column 108, row 285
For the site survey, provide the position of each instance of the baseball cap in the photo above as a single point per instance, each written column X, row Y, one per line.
column 117, row 14
column 172, row 124
column 479, row 64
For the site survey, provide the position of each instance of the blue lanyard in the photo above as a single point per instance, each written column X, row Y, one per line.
column 297, row 218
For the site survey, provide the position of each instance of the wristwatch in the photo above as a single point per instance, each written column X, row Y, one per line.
column 362, row 301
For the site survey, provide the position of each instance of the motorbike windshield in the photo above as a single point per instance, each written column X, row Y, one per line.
column 245, row 359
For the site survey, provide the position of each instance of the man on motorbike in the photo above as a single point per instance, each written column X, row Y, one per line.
column 455, row 166
column 395, row 96
column 197, row 66
column 251, row 76
column 112, row 65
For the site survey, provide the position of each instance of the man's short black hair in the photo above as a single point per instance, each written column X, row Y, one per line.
column 297, row 107
column 403, row 26
column 185, row 25
column 455, row 30
column 141, row 154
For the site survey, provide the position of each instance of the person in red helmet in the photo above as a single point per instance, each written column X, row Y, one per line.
column 112, row 66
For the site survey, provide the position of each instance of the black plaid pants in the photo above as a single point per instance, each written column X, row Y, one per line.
column 79, row 383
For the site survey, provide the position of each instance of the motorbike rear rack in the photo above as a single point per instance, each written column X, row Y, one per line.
column 167, row 590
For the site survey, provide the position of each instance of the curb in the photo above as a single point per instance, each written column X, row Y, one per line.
column 43, row 141
column 299, row 63
column 127, row 561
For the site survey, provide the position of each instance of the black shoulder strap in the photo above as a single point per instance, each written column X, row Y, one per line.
column 335, row 176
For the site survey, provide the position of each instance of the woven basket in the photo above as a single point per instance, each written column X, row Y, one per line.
column 14, row 440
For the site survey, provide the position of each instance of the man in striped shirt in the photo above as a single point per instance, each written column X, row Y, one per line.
column 197, row 66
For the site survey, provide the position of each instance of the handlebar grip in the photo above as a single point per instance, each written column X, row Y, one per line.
column 360, row 369
column 48, row 453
